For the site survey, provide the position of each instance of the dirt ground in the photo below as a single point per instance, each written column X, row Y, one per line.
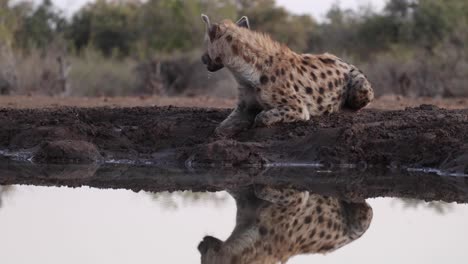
column 425, row 136
column 384, row 103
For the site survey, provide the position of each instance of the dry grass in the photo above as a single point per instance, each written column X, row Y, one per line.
column 39, row 73
column 7, row 70
column 443, row 73
column 439, row 72
column 93, row 75
column 36, row 72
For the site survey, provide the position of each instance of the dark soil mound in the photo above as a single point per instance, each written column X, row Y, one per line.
column 67, row 151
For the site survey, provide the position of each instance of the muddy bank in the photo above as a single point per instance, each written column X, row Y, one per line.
column 348, row 184
column 387, row 102
column 425, row 136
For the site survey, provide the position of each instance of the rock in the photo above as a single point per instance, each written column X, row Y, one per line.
column 67, row 152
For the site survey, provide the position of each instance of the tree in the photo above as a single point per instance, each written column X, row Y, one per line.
column 109, row 26
column 40, row 26
column 9, row 21
column 285, row 27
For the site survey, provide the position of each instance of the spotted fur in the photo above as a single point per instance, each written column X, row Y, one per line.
column 277, row 84
column 274, row 225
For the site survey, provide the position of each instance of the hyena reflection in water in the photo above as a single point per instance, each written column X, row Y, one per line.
column 274, row 225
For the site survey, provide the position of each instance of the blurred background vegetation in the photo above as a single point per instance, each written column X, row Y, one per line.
column 180, row 200
column 4, row 191
column 133, row 47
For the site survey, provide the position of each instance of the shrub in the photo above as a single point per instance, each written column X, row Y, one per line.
column 95, row 75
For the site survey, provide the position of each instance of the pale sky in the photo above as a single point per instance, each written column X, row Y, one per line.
column 78, row 226
column 317, row 8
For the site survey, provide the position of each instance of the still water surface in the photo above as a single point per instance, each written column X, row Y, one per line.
column 85, row 225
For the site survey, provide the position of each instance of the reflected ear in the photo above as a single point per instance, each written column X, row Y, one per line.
column 243, row 22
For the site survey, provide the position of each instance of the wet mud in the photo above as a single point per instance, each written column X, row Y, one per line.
column 422, row 137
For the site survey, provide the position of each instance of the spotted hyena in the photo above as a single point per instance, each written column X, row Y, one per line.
column 275, row 83
column 274, row 225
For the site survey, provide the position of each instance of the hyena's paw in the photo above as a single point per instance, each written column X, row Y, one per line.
column 231, row 127
column 267, row 118
column 360, row 92
column 278, row 196
column 359, row 216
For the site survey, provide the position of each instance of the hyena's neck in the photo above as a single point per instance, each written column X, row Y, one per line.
column 255, row 252
column 252, row 54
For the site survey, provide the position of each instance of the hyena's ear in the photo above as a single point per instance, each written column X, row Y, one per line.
column 243, row 22
column 211, row 30
column 206, row 19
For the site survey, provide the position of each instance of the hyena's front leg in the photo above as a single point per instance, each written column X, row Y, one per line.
column 243, row 116
column 240, row 119
column 234, row 123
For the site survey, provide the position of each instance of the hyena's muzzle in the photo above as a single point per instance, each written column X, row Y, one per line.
column 212, row 65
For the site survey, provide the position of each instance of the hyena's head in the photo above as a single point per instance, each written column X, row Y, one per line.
column 214, row 251
column 211, row 251
column 218, row 41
